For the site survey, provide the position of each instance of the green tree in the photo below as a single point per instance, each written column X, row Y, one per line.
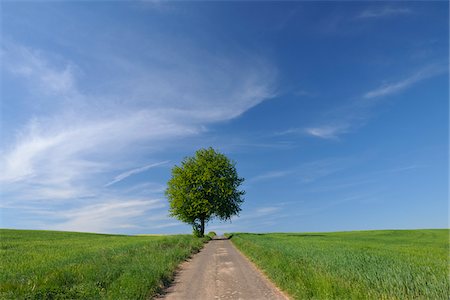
column 205, row 186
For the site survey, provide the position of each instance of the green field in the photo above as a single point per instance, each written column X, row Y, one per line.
column 391, row 264
column 67, row 265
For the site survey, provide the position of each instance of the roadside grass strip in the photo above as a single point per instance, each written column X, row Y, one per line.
column 68, row 265
column 387, row 264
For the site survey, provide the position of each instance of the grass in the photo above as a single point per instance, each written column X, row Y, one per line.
column 68, row 265
column 388, row 264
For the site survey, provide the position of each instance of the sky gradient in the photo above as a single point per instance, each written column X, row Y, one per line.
column 336, row 113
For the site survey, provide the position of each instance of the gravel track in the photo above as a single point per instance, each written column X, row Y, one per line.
column 220, row 271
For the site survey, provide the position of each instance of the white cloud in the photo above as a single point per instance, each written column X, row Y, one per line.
column 263, row 211
column 74, row 140
column 165, row 225
column 395, row 87
column 158, row 111
column 314, row 170
column 270, row 175
column 46, row 157
column 399, row 169
column 159, row 217
column 355, row 115
column 105, row 217
column 31, row 64
column 331, row 131
column 331, row 203
column 145, row 188
column 129, row 173
column 306, row 173
column 384, row 12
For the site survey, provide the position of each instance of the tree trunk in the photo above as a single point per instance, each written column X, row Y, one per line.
column 202, row 227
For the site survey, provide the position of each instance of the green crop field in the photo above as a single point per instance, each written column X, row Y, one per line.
column 390, row 264
column 67, row 265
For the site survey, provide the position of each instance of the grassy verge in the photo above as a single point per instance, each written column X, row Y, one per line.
column 394, row 264
column 67, row 265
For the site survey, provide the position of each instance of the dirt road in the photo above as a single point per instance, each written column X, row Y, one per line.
column 220, row 271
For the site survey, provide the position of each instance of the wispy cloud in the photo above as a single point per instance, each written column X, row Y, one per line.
column 311, row 171
column 363, row 180
column 399, row 169
column 314, row 170
column 263, row 211
column 105, row 217
column 329, row 204
column 260, row 212
column 398, row 86
column 328, row 131
column 346, row 184
column 32, row 65
column 77, row 136
column 146, row 188
column 75, row 132
column 348, row 118
column 270, row 175
column 387, row 11
column 165, row 225
column 129, row 173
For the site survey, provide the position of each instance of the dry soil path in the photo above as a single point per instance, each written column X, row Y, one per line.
column 220, row 271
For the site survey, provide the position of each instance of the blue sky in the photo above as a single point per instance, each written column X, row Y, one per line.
column 336, row 113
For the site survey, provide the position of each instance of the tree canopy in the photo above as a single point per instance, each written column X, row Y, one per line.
column 205, row 186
